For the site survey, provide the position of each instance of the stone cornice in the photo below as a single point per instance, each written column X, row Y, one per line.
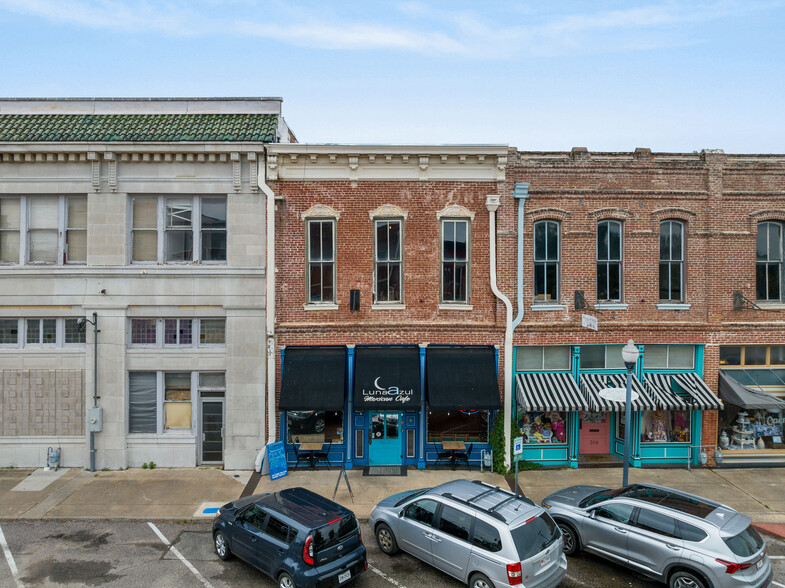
column 467, row 163
column 81, row 152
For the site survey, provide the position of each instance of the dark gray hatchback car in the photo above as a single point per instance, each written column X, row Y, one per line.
column 295, row 536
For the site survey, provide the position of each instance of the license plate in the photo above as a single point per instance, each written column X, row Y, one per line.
column 345, row 576
column 545, row 560
column 759, row 565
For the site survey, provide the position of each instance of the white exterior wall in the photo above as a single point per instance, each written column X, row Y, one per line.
column 116, row 289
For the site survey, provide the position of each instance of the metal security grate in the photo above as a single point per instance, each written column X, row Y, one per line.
column 386, row 470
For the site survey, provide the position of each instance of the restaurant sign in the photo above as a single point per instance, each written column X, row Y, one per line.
column 387, row 378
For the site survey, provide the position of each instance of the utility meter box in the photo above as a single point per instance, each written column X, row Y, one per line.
column 95, row 419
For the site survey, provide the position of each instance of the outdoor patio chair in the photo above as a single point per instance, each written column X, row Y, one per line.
column 463, row 456
column 323, row 455
column 300, row 456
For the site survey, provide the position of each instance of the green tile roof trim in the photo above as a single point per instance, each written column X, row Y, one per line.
column 254, row 128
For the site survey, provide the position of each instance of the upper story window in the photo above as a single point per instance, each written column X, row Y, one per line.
column 176, row 229
column 669, row 357
column 321, row 260
column 40, row 332
column 543, row 357
column 672, row 261
column 768, row 267
column 601, row 357
column 752, row 355
column 43, row 230
column 177, row 332
column 609, row 257
column 546, row 261
column 455, row 260
column 388, row 262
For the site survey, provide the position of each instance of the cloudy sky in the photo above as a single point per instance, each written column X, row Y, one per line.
column 540, row 75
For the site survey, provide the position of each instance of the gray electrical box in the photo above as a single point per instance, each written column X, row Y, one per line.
column 95, row 419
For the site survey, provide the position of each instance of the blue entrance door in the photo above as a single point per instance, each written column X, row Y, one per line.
column 384, row 445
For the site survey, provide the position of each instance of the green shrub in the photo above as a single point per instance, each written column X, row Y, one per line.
column 498, row 445
column 144, row 466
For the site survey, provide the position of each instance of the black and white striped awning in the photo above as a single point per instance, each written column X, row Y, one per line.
column 548, row 391
column 703, row 397
column 591, row 384
column 661, row 387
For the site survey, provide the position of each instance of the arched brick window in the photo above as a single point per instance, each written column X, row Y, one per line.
column 768, row 266
column 546, row 261
column 671, row 261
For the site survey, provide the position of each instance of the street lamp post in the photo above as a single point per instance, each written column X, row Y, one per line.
column 630, row 355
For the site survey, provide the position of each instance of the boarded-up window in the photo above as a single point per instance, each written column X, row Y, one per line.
column 177, row 400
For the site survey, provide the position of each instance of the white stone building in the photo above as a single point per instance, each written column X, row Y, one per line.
column 147, row 215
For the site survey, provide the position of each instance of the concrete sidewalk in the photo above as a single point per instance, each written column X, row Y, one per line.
column 184, row 494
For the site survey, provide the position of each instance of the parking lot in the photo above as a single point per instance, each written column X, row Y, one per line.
column 80, row 553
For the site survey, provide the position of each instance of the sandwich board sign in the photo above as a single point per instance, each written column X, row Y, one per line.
column 276, row 456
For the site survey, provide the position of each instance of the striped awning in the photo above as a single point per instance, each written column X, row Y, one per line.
column 704, row 398
column 591, row 384
column 661, row 387
column 548, row 391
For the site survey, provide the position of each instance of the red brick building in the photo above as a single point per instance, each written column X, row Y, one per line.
column 681, row 253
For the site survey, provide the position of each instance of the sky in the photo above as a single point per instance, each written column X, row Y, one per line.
column 677, row 76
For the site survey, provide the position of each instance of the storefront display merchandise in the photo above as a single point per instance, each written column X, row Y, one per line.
column 742, row 437
column 542, row 427
column 665, row 426
column 766, row 427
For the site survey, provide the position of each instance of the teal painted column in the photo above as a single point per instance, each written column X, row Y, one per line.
column 574, row 421
column 636, row 424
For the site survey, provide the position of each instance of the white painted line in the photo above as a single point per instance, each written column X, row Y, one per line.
column 10, row 559
column 575, row 580
column 179, row 555
column 778, row 584
column 777, row 557
column 392, row 581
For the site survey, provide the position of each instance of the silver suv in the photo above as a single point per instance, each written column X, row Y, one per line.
column 478, row 533
column 672, row 536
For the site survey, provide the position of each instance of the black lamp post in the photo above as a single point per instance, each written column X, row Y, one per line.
column 630, row 355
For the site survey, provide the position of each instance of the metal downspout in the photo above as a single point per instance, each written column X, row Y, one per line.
column 520, row 192
column 492, row 203
column 269, row 306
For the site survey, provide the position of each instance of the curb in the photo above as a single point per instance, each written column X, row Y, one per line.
column 774, row 529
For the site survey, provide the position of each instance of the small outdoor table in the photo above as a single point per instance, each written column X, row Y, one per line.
column 452, row 447
column 311, row 447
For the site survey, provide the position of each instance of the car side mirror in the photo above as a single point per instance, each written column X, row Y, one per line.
column 400, row 514
column 593, row 513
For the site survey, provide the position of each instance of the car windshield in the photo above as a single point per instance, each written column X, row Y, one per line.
column 601, row 495
column 534, row 535
column 412, row 495
column 746, row 543
column 335, row 532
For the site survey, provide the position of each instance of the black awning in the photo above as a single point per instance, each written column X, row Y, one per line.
column 462, row 378
column 732, row 392
column 314, row 378
column 387, row 378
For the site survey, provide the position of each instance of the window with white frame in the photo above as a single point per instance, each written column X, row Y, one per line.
column 455, row 260
column 669, row 357
column 177, row 332
column 43, row 230
column 546, row 261
column 321, row 260
column 671, row 261
column 768, row 266
column 388, row 262
column 177, row 229
column 164, row 402
column 40, row 332
column 609, row 256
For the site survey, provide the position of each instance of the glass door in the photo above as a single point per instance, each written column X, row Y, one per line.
column 384, row 439
column 212, row 431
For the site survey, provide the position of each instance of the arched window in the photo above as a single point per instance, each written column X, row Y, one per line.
column 672, row 261
column 609, row 258
column 546, row 261
column 768, row 267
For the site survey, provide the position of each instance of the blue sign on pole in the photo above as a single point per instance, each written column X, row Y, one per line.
column 276, row 454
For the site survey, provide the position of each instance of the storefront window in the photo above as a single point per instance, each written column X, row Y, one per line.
column 470, row 426
column 665, row 426
column 752, row 355
column 753, row 429
column 314, row 426
column 543, row 427
column 669, row 357
column 539, row 357
column 602, row 357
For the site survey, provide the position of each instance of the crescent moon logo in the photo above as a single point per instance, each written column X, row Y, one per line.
column 376, row 383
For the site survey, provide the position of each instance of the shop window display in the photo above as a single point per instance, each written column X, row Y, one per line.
column 753, row 429
column 314, row 426
column 470, row 426
column 543, row 427
column 665, row 426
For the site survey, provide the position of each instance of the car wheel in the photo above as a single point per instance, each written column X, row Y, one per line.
column 319, row 426
column 479, row 580
column 685, row 579
column 386, row 540
column 222, row 546
column 570, row 544
column 285, row 581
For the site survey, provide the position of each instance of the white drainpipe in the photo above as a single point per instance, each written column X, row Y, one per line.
column 269, row 307
column 492, row 203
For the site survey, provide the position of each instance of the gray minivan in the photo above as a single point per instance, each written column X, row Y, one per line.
column 478, row 533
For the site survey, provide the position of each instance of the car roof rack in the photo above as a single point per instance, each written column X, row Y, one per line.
column 495, row 515
column 490, row 490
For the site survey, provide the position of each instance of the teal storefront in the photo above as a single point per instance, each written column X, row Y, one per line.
column 565, row 421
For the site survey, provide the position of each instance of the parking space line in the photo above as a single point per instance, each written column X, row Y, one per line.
column 180, row 556
column 10, row 559
column 778, row 584
column 392, row 581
